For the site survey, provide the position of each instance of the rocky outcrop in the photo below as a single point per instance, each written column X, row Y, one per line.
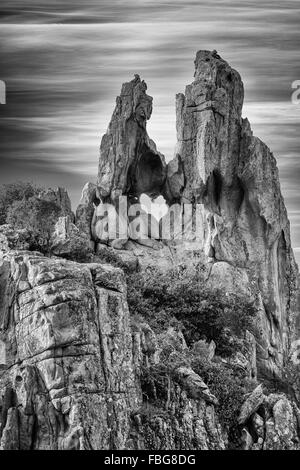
column 71, row 378
column 86, row 209
column 68, row 241
column 234, row 175
column 178, row 410
column 77, row 371
column 129, row 161
column 270, row 422
column 69, row 381
column 225, row 174
column 60, row 197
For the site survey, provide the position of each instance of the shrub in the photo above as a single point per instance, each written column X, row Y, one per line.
column 163, row 298
column 228, row 384
column 107, row 254
column 38, row 217
column 12, row 192
column 155, row 382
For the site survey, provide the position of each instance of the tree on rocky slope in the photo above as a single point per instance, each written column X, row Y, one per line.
column 12, row 192
column 38, row 216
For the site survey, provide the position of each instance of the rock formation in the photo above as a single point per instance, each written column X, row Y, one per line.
column 129, row 161
column 234, row 175
column 77, row 370
column 67, row 385
column 227, row 172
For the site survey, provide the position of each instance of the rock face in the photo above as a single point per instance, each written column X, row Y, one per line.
column 61, row 198
column 72, row 375
column 235, row 176
column 221, row 168
column 69, row 242
column 77, row 371
column 129, row 162
column 86, row 209
column 72, row 362
column 67, row 384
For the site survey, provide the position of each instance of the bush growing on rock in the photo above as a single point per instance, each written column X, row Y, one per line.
column 182, row 296
column 12, row 192
column 228, row 384
column 38, row 217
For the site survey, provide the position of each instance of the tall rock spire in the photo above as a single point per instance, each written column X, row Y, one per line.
column 220, row 165
column 129, row 161
column 208, row 121
column 234, row 175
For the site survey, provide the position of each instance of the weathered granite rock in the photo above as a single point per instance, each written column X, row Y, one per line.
column 184, row 415
column 69, row 381
column 251, row 405
column 243, row 227
column 234, row 175
column 129, row 161
column 86, row 208
column 245, row 356
column 184, row 424
column 203, row 349
column 78, row 372
column 69, row 242
column 194, row 385
column 231, row 279
column 60, row 197
column 72, row 378
column 281, row 427
column 129, row 165
column 278, row 428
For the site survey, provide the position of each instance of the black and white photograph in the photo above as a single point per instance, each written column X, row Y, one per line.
column 150, row 229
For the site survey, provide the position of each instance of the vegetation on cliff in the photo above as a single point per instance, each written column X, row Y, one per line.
column 182, row 295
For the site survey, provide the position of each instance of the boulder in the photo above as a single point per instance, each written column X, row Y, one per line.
column 69, row 242
column 251, row 405
column 70, row 380
column 86, row 208
column 194, row 385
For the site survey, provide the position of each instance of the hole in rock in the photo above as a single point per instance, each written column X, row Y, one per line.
column 148, row 174
column 19, row 379
column 156, row 207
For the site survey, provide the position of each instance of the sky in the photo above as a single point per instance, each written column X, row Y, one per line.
column 64, row 61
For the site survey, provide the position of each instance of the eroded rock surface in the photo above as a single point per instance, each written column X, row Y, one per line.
column 69, row 381
column 129, row 161
column 72, row 364
column 76, row 370
column 231, row 176
column 235, row 176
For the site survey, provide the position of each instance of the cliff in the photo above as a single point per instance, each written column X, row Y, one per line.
column 233, row 179
column 91, row 356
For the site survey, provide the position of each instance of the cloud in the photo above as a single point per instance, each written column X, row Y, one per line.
column 121, row 11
